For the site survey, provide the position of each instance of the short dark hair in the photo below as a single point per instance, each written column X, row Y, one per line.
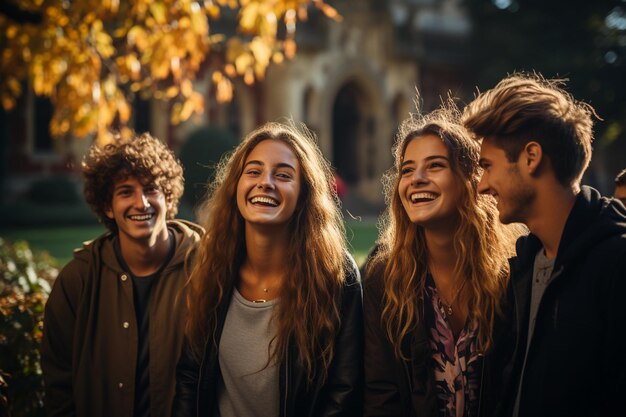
column 528, row 107
column 620, row 180
column 144, row 157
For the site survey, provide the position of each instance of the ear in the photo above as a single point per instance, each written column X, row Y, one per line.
column 109, row 213
column 531, row 157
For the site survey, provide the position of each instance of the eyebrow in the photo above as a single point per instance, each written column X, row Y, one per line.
column 428, row 158
column 279, row 165
column 122, row 186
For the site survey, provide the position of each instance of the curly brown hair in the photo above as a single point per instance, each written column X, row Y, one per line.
column 528, row 107
column 143, row 157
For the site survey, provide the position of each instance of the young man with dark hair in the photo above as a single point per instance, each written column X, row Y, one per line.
column 113, row 326
column 620, row 187
column 563, row 343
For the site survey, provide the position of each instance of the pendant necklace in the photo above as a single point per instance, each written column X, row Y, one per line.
column 262, row 300
column 447, row 307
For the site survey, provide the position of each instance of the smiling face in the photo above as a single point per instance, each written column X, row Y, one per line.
column 269, row 186
column 503, row 180
column 139, row 210
column 428, row 188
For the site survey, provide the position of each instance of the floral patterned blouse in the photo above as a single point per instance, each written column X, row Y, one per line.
column 457, row 365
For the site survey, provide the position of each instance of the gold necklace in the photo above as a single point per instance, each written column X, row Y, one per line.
column 262, row 300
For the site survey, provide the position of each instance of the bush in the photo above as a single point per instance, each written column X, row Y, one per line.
column 53, row 190
column 25, row 281
column 200, row 155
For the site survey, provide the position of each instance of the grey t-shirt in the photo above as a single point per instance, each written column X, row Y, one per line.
column 542, row 274
column 247, row 387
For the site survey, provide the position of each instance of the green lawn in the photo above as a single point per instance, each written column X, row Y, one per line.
column 361, row 237
column 60, row 242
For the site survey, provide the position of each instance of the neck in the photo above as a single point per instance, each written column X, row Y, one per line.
column 265, row 252
column 440, row 247
column 145, row 257
column 442, row 259
column 550, row 212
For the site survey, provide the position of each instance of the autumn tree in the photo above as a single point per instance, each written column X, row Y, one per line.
column 92, row 57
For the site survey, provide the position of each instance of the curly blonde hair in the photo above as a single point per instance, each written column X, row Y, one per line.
column 308, row 308
column 481, row 243
column 524, row 107
column 144, row 157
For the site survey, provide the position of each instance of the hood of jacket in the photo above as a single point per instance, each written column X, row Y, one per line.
column 186, row 233
column 593, row 219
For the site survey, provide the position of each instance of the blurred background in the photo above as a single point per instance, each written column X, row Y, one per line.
column 351, row 80
column 199, row 75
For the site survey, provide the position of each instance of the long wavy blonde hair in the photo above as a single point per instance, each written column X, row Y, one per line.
column 308, row 308
column 481, row 243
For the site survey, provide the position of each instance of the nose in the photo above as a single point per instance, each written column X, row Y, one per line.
column 266, row 181
column 483, row 186
column 419, row 178
column 142, row 201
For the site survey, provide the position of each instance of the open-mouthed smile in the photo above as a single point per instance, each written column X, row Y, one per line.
column 422, row 197
column 141, row 217
column 264, row 201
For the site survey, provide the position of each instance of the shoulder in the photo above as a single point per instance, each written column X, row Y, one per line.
column 352, row 275
column 612, row 252
column 187, row 233
column 98, row 250
column 374, row 281
column 187, row 236
column 72, row 278
column 72, row 275
column 374, row 272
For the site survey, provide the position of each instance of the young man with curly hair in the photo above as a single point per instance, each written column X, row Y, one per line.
column 564, row 340
column 113, row 327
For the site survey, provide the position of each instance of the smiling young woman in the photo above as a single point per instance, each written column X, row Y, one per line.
column 435, row 284
column 274, row 297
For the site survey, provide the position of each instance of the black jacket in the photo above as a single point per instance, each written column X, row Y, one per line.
column 340, row 395
column 575, row 365
column 403, row 388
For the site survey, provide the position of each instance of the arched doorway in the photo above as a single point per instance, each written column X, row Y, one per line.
column 348, row 128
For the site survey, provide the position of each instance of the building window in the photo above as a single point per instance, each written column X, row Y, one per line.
column 43, row 111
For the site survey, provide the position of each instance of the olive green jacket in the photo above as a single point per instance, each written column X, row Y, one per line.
column 89, row 348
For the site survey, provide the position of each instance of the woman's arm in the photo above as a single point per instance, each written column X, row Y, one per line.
column 382, row 393
column 187, row 380
column 344, row 386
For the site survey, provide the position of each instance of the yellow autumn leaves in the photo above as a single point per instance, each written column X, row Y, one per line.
column 92, row 57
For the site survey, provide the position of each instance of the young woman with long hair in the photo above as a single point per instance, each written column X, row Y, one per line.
column 434, row 285
column 274, row 298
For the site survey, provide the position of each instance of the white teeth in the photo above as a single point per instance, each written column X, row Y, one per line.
column 141, row 217
column 422, row 196
column 264, row 200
